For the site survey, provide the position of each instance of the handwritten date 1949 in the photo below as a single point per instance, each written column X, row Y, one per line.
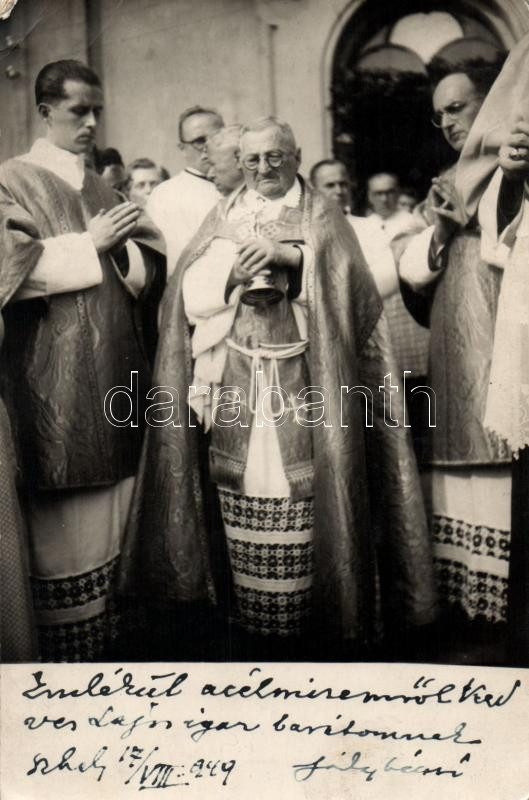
column 143, row 769
column 160, row 775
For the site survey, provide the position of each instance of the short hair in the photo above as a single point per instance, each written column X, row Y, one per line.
column 325, row 162
column 228, row 136
column 49, row 86
column 142, row 163
column 263, row 123
column 164, row 174
column 190, row 112
column 383, row 175
column 109, row 157
column 480, row 72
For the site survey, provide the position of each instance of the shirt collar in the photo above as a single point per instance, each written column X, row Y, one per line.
column 196, row 174
column 254, row 201
column 67, row 166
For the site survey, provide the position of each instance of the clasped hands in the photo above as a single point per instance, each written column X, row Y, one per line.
column 110, row 229
column 447, row 208
column 258, row 256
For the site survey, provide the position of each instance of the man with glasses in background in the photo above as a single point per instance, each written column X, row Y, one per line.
column 448, row 286
column 284, row 314
column 178, row 206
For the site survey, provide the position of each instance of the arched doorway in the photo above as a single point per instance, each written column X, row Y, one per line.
column 381, row 84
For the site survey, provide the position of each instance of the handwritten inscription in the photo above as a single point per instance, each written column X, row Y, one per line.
column 146, row 728
column 447, row 693
column 119, row 720
column 144, row 768
column 69, row 761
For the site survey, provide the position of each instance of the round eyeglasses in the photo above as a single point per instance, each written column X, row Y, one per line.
column 273, row 159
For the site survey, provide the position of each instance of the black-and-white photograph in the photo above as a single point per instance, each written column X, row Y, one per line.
column 265, row 343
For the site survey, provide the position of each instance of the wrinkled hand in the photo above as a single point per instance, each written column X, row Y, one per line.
column 109, row 229
column 447, row 209
column 259, row 255
column 514, row 152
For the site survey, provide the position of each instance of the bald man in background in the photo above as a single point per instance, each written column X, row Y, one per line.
column 223, row 153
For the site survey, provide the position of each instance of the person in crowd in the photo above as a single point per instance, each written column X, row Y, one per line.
column 492, row 176
column 409, row 340
column 109, row 164
column 448, row 285
column 318, row 507
column 382, row 195
column 385, row 221
column 69, row 276
column 143, row 176
column 178, row 206
column 407, row 199
column 223, row 154
column 331, row 177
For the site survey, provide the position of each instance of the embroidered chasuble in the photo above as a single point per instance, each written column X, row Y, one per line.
column 70, row 338
column 471, row 474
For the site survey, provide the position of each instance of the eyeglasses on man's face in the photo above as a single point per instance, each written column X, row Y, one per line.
column 273, row 159
column 452, row 111
column 199, row 144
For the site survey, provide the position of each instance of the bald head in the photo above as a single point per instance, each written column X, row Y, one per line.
column 283, row 130
column 223, row 155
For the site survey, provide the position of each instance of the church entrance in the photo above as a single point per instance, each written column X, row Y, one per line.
column 384, row 63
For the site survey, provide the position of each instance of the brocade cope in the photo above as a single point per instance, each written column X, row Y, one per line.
column 369, row 520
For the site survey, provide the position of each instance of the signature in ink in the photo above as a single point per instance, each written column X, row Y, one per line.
column 302, row 772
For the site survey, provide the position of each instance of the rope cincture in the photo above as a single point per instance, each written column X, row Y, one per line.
column 271, row 353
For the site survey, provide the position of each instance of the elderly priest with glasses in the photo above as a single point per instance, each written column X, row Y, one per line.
column 271, row 316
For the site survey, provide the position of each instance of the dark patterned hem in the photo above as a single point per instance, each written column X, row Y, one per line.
column 471, row 564
column 76, row 615
column 271, row 555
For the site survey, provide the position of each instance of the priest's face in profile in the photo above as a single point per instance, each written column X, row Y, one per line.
column 72, row 120
column 270, row 162
column 224, row 170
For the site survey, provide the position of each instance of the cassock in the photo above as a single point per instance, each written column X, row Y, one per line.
column 315, row 517
column 73, row 334
column 456, row 291
column 178, row 207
